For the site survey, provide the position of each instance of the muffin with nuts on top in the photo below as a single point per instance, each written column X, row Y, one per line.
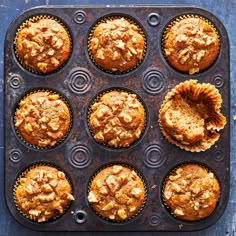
column 191, row 192
column 117, row 119
column 42, row 119
column 42, row 44
column 42, row 193
column 191, row 44
column 117, row 193
column 117, row 45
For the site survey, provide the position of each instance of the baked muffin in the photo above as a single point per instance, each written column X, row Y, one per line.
column 191, row 44
column 117, row 45
column 117, row 193
column 190, row 116
column 42, row 193
column 117, row 119
column 42, row 45
column 191, row 192
column 42, row 119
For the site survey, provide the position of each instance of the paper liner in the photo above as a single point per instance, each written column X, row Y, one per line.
column 97, row 98
column 33, row 20
column 22, row 175
column 66, row 134
column 173, row 173
column 103, row 20
column 164, row 36
column 144, row 185
column 211, row 97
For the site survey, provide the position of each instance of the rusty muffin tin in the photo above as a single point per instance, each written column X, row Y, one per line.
column 79, row 81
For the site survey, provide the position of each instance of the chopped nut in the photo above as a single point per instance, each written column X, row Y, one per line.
column 34, row 212
column 58, row 44
column 120, row 44
column 54, row 61
column 194, row 70
column 112, row 217
column 136, row 192
column 103, row 190
column 200, row 55
column 174, row 177
column 28, row 128
column 100, row 54
column 51, row 52
column 132, row 50
column 168, row 195
column 132, row 209
column 95, row 42
column 92, row 198
column 46, row 188
column 70, row 197
column 53, row 183
column 99, row 136
column 176, row 187
column 42, row 66
column 55, row 29
column 196, row 206
column 116, row 56
column 116, row 169
column 61, row 175
column 179, row 212
column 108, row 207
column 33, row 53
column 122, row 214
column 112, row 183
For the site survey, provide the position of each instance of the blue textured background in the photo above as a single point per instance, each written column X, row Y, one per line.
column 224, row 10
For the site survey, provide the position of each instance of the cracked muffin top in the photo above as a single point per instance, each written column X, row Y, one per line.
column 117, row 119
column 43, row 193
column 116, row 45
column 191, row 44
column 42, row 45
column 42, row 119
column 117, row 193
column 191, row 192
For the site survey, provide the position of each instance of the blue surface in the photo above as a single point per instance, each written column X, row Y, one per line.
column 225, row 11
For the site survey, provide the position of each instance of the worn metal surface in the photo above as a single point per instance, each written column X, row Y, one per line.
column 227, row 223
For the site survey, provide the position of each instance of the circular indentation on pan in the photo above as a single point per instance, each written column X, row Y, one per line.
column 80, row 80
column 15, row 81
column 218, row 81
column 219, row 155
column 153, row 81
column 15, row 155
column 154, row 19
column 80, row 156
column 96, row 98
column 154, row 156
column 154, row 220
column 80, row 216
column 79, row 17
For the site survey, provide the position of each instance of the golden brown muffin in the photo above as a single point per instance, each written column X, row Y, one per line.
column 42, row 119
column 191, row 192
column 190, row 116
column 43, row 193
column 117, row 45
column 191, row 44
column 117, row 119
column 117, row 193
column 42, row 45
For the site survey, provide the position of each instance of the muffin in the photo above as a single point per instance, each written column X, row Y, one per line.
column 117, row 45
column 42, row 45
column 191, row 192
column 117, row 119
column 191, row 44
column 42, row 119
column 190, row 116
column 117, row 193
column 42, row 193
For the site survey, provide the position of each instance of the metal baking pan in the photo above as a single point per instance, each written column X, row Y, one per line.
column 79, row 155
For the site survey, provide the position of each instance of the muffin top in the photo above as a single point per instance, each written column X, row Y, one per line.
column 43, row 193
column 117, row 45
column 191, row 44
column 190, row 116
column 42, row 119
column 191, row 192
column 117, row 119
column 42, row 45
column 117, row 193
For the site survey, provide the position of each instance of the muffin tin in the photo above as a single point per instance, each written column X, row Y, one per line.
column 79, row 81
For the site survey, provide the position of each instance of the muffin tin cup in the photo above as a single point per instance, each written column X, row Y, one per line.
column 145, row 194
column 17, row 183
column 173, row 171
column 96, row 99
column 59, row 141
column 179, row 18
column 33, row 20
column 79, row 81
column 131, row 21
